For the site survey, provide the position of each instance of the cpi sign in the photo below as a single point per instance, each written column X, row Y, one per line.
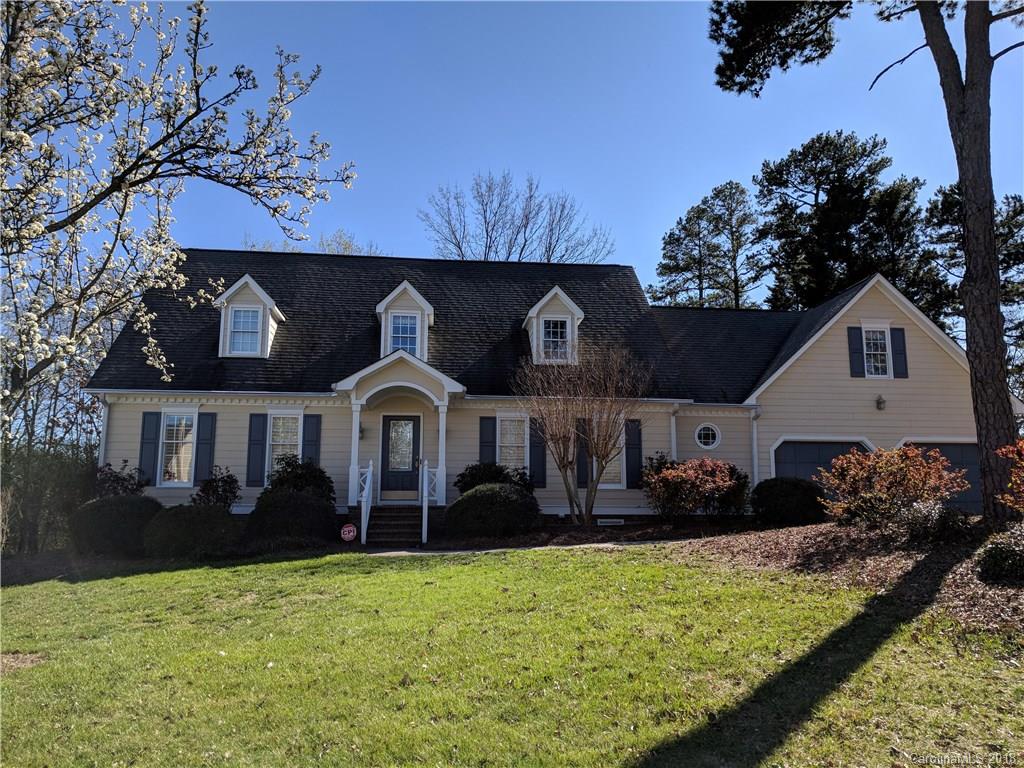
column 348, row 532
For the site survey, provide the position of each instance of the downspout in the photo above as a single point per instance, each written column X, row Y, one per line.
column 755, row 414
column 101, row 453
column 673, row 448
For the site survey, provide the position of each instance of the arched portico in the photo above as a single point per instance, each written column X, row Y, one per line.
column 396, row 378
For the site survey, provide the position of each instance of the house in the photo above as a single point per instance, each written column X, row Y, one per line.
column 407, row 363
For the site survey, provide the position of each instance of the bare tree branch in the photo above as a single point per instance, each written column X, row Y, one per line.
column 895, row 63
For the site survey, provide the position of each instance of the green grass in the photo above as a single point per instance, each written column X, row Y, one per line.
column 557, row 657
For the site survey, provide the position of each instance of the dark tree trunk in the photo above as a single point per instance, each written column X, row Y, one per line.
column 968, row 111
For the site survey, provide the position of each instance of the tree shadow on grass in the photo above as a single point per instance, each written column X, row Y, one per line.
column 746, row 733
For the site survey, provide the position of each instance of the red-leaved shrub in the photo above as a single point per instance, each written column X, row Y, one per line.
column 884, row 488
column 688, row 487
column 1014, row 495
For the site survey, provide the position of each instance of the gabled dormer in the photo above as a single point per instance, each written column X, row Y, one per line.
column 248, row 320
column 405, row 319
column 553, row 324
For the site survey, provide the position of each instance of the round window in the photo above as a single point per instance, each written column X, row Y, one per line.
column 707, row 436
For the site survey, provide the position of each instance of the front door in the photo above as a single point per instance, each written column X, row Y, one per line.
column 400, row 458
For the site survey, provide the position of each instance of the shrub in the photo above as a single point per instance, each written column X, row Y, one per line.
column 931, row 521
column 220, row 489
column 1014, row 495
column 284, row 512
column 783, row 501
column 1002, row 559
column 492, row 509
column 488, row 472
column 118, row 482
column 880, row 489
column 292, row 474
column 191, row 530
column 689, row 487
column 655, row 464
column 113, row 525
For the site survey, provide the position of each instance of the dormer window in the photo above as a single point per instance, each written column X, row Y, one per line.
column 245, row 331
column 405, row 332
column 555, row 339
column 405, row 320
column 248, row 320
column 553, row 324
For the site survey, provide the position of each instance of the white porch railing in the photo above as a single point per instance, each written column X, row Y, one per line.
column 365, row 499
column 429, row 479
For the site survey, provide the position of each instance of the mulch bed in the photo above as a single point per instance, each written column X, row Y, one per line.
column 850, row 556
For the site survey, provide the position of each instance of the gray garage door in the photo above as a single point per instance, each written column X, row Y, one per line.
column 802, row 459
column 963, row 456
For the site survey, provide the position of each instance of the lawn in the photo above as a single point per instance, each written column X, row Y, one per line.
column 593, row 656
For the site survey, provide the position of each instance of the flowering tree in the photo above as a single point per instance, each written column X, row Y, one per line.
column 105, row 116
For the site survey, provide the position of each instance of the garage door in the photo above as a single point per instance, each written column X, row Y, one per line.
column 795, row 458
column 963, row 456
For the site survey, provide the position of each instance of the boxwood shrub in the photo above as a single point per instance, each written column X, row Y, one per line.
column 492, row 509
column 113, row 525
column 193, row 531
column 488, row 472
column 1002, row 559
column 293, row 514
column 782, row 501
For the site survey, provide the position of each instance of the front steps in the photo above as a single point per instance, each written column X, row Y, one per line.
column 395, row 527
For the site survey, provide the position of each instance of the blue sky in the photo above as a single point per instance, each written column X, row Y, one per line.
column 614, row 103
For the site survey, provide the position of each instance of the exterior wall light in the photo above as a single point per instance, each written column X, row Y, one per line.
column 880, row 403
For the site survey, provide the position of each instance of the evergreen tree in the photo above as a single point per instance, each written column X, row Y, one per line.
column 691, row 260
column 742, row 264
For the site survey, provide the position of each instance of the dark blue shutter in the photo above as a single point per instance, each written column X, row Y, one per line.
column 256, row 462
column 538, row 457
column 898, row 338
column 311, row 438
column 206, row 434
column 634, row 453
column 488, row 439
column 149, row 447
column 581, row 454
column 855, row 341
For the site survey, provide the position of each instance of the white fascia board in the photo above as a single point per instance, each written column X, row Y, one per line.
column 249, row 281
column 577, row 313
column 405, row 285
column 450, row 385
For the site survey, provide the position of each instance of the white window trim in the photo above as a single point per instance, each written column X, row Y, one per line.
column 421, row 333
column 621, row 485
column 230, row 309
column 876, row 325
column 718, row 439
column 509, row 416
column 271, row 413
column 176, row 411
column 570, row 334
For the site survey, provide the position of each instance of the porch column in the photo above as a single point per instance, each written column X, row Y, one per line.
column 442, row 431
column 353, row 466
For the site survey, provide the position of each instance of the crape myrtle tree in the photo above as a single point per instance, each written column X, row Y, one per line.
column 754, row 39
column 107, row 111
column 501, row 221
column 580, row 410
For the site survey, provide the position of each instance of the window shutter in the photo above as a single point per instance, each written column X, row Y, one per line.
column 488, row 439
column 898, row 338
column 581, row 454
column 538, row 457
column 256, row 462
column 855, row 341
column 311, row 438
column 206, row 433
column 149, row 447
column 634, row 453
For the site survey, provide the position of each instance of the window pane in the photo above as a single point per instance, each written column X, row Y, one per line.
column 284, row 437
column 176, row 466
column 246, row 320
column 512, row 456
column 876, row 357
column 513, row 431
column 400, row 445
column 512, row 442
column 555, row 340
column 403, row 333
column 707, row 436
column 613, row 472
column 245, row 331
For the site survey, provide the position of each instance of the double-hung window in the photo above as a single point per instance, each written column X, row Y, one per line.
column 555, row 339
column 284, row 437
column 245, row 331
column 177, row 448
column 877, row 353
column 404, row 333
column 512, row 434
column 615, row 473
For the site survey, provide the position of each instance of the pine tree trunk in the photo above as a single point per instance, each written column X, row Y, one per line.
column 968, row 112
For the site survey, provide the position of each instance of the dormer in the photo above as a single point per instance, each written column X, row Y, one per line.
column 248, row 320
column 553, row 324
column 405, row 317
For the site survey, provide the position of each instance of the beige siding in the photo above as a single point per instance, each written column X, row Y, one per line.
column 734, row 430
column 399, row 371
column 816, row 396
